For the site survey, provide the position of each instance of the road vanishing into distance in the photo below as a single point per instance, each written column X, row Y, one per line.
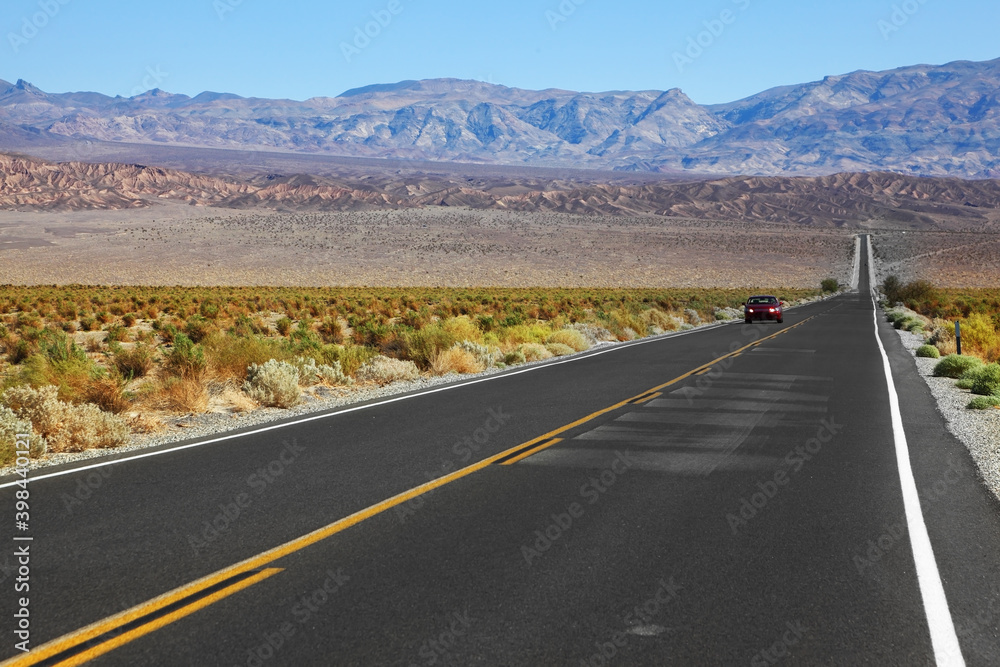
column 737, row 495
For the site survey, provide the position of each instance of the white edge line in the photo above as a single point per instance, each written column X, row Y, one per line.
column 947, row 650
column 356, row 408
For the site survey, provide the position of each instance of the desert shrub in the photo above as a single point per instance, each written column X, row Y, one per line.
column 954, row 366
column 928, row 352
column 57, row 347
column 310, row 373
column 525, row 333
column 273, row 383
column 197, row 328
column 597, row 334
column 129, row 319
column 456, row 360
column 462, row 328
column 181, row 394
column 133, row 362
column 116, row 333
column 559, row 349
column 984, row 403
column 350, row 357
column 19, row 351
column 227, row 357
column 692, row 316
column 571, row 338
column 514, row 357
column 186, row 359
column 534, row 351
column 88, row 323
column 891, row 287
column 108, row 393
column 979, row 334
column 383, row 370
column 486, row 356
column 829, row 285
column 66, row 427
column 331, row 330
column 284, row 326
column 243, row 325
column 10, row 426
column 986, row 380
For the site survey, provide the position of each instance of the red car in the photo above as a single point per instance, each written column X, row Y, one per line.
column 762, row 308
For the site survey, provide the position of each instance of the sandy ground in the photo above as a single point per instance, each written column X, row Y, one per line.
column 173, row 244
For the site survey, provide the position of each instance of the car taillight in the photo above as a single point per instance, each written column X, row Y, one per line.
column 771, row 310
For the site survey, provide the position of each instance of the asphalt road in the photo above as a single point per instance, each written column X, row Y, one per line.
column 750, row 513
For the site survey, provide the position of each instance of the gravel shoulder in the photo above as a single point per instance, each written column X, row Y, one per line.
column 979, row 430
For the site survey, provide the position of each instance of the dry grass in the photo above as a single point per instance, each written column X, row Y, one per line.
column 570, row 337
column 237, row 400
column 455, row 360
column 181, row 395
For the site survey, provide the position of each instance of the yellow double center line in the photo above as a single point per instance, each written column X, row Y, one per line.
column 115, row 631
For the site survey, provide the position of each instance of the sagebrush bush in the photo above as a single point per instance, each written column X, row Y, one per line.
column 311, row 373
column 66, row 427
column 597, row 334
column 273, row 383
column 487, row 356
column 10, row 426
column 534, row 351
column 986, row 380
column 954, row 366
column 559, row 349
column 514, row 357
column 383, row 370
column 571, row 338
column 928, row 352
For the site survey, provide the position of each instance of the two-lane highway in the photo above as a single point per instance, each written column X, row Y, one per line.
column 727, row 496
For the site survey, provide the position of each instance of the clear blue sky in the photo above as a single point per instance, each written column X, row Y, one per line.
column 295, row 48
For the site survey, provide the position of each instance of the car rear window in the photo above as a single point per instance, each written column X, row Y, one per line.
column 762, row 300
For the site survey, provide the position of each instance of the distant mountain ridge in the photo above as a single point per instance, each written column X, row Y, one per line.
column 920, row 120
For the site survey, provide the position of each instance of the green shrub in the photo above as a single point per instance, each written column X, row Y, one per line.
column 954, row 365
column 186, row 359
column 830, row 285
column 284, row 325
column 928, row 352
column 273, row 383
column 983, row 403
column 964, row 383
column 986, row 380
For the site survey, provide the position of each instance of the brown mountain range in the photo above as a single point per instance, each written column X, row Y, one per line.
column 851, row 199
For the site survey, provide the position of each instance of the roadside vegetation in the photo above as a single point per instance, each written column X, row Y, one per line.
column 923, row 309
column 89, row 366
